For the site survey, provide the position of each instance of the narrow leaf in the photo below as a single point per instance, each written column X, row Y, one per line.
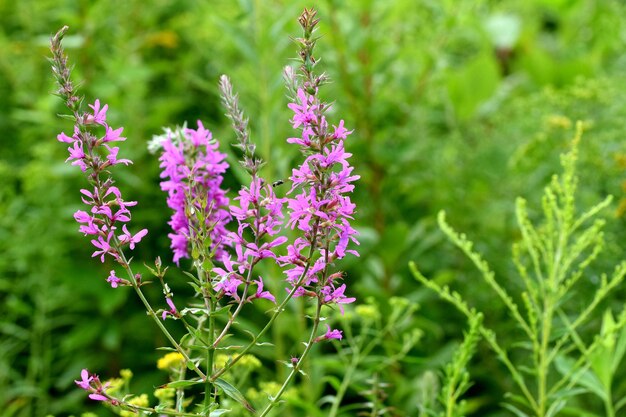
column 234, row 393
column 183, row 383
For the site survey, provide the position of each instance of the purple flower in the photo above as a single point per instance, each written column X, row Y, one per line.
column 77, row 154
column 336, row 295
column 85, row 382
column 112, row 156
column 99, row 114
column 129, row 239
column 304, row 110
column 263, row 294
column 330, row 334
column 113, row 135
column 91, row 383
column 103, row 247
column 90, row 228
column 113, row 280
column 333, row 334
column 62, row 137
column 98, row 397
column 340, row 131
column 172, row 309
column 229, row 284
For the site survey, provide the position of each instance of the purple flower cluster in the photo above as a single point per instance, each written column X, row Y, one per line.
column 92, row 154
column 192, row 168
column 258, row 214
column 322, row 209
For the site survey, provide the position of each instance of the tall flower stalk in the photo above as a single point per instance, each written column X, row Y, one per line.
column 91, row 153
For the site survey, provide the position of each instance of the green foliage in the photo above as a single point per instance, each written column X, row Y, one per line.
column 550, row 260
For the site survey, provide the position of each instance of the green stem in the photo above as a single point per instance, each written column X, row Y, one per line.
column 296, row 368
column 277, row 312
column 210, row 354
column 152, row 313
column 544, row 358
column 608, row 403
column 341, row 392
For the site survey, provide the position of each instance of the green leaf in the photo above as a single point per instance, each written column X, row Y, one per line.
column 207, row 265
column 587, row 379
column 515, row 410
column 221, row 310
column 620, row 403
column 577, row 412
column 234, row 393
column 183, row 383
column 192, row 276
column 555, row 408
column 219, row 412
column 620, row 349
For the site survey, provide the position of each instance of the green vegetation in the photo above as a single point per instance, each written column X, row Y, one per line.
column 461, row 106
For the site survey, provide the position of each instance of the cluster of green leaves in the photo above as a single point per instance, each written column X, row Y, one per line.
column 459, row 106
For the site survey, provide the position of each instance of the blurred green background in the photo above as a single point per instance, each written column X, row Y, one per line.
column 456, row 105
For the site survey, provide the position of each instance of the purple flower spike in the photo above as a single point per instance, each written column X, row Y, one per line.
column 321, row 208
column 192, row 169
column 107, row 207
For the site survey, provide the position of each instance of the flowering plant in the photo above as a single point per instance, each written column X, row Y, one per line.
column 225, row 240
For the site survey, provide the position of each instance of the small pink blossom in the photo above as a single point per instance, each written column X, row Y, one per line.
column 113, row 135
column 129, row 239
column 263, row 294
column 333, row 334
column 336, row 296
column 85, row 382
column 330, row 334
column 99, row 114
column 62, row 137
column 112, row 156
column 91, row 383
column 113, row 280
column 103, row 247
column 172, row 309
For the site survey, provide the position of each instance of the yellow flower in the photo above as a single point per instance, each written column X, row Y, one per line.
column 164, row 394
column 367, row 312
column 557, row 121
column 220, row 360
column 126, row 374
column 170, row 360
column 270, row 387
column 114, row 385
column 250, row 362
